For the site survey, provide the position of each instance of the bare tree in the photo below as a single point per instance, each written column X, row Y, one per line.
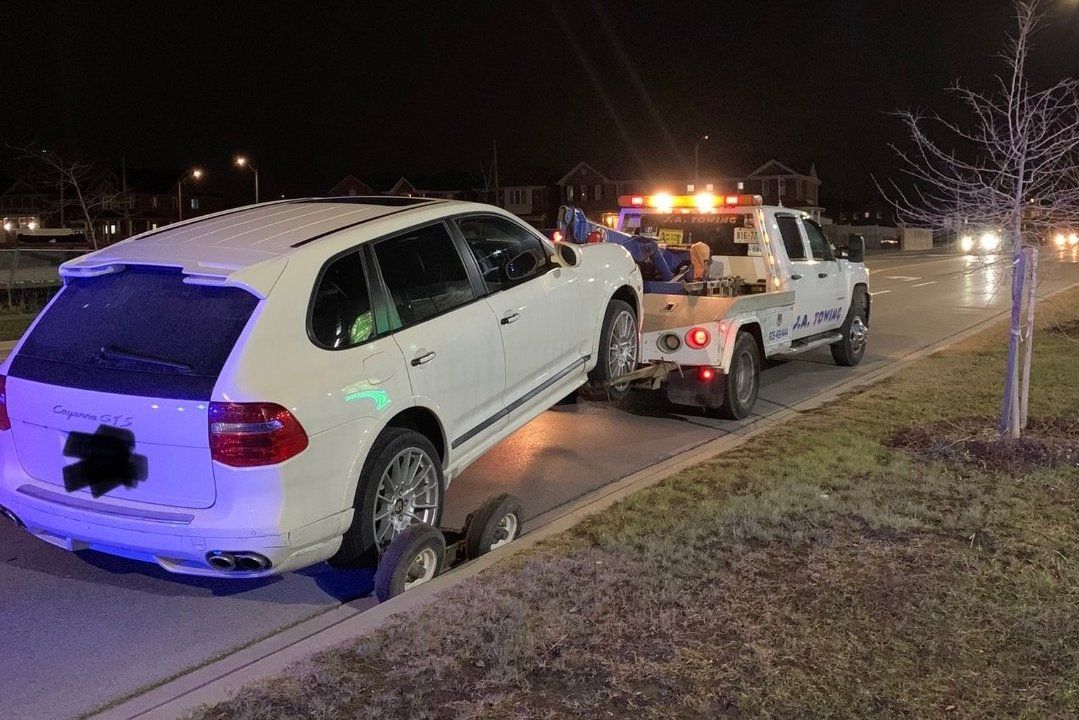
column 1010, row 167
column 81, row 185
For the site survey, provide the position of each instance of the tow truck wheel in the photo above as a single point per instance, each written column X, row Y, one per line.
column 743, row 381
column 413, row 558
column 850, row 350
column 495, row 524
column 618, row 350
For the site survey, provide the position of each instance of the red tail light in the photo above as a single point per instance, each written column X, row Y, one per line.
column 705, row 374
column 698, row 337
column 251, row 434
column 5, row 421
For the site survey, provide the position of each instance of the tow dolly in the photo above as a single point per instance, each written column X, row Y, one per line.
column 421, row 552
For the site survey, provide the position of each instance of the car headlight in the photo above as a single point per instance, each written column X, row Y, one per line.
column 1060, row 240
column 966, row 243
column 1073, row 239
column 989, row 241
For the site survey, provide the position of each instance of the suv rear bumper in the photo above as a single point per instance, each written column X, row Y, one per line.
column 174, row 540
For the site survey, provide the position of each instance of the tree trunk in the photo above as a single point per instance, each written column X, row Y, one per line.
column 1028, row 335
column 1009, row 411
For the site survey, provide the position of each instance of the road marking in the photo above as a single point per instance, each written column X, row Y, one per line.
column 903, row 267
column 931, row 282
column 879, row 292
column 904, row 278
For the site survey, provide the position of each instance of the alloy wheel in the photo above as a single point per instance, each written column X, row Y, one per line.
column 408, row 492
column 622, row 350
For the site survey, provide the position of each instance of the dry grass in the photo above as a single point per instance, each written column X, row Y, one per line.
column 814, row 572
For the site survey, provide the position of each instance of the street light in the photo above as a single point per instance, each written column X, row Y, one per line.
column 697, row 160
column 195, row 174
column 242, row 161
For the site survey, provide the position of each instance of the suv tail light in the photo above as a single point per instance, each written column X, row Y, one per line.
column 5, row 421
column 251, row 434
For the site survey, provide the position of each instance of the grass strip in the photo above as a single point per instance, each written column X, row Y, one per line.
column 824, row 569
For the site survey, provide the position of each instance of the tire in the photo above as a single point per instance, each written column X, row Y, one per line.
column 362, row 542
column 497, row 522
column 742, row 383
column 851, row 349
column 413, row 558
column 619, row 348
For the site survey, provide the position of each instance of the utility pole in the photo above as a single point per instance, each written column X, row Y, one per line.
column 697, row 161
column 498, row 194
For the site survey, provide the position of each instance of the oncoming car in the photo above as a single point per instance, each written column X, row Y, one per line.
column 983, row 243
column 269, row 387
column 1064, row 239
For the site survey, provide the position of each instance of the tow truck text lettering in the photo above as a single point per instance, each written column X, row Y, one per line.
column 818, row 317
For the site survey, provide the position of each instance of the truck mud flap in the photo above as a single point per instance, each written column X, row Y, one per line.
column 690, row 389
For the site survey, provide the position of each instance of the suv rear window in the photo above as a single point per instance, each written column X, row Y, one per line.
column 142, row 331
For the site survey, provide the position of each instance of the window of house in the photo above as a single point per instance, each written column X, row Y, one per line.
column 818, row 244
column 741, row 186
column 341, row 314
column 782, row 187
column 584, row 193
column 569, row 193
column 597, row 193
column 194, row 203
column 507, row 253
column 424, row 275
column 153, row 201
column 792, row 239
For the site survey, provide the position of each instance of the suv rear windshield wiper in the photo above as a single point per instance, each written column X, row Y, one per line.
column 112, row 352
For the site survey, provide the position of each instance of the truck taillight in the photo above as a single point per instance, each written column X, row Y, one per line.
column 5, row 421
column 251, row 434
column 698, row 338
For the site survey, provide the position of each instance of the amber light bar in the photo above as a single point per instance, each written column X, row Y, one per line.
column 701, row 201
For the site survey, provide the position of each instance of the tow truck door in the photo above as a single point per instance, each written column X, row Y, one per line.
column 804, row 281
column 831, row 285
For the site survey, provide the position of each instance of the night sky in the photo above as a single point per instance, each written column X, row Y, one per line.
column 313, row 91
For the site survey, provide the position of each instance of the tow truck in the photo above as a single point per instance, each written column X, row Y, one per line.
column 728, row 283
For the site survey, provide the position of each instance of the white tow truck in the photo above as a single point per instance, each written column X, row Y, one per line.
column 728, row 282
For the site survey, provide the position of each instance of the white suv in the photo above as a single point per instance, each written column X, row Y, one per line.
column 273, row 386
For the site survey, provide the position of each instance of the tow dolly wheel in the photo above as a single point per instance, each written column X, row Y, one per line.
column 414, row 557
column 496, row 523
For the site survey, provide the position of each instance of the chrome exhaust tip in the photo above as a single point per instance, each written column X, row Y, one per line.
column 251, row 562
column 4, row 512
column 223, row 561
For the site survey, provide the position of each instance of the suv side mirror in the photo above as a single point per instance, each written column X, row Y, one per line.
column 856, row 249
column 566, row 255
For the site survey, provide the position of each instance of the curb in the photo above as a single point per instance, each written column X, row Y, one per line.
column 223, row 678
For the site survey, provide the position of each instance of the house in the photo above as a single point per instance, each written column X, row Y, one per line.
column 350, row 186
column 778, row 184
column 120, row 206
column 531, row 203
column 589, row 189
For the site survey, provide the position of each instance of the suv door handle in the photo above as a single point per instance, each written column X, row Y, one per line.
column 822, row 275
column 796, row 276
column 509, row 317
column 425, row 358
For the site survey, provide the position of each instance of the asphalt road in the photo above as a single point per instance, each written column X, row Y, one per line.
column 79, row 630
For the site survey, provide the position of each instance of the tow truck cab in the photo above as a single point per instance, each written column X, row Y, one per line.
column 769, row 274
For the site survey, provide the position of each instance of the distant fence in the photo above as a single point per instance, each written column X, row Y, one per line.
column 880, row 236
column 32, row 274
